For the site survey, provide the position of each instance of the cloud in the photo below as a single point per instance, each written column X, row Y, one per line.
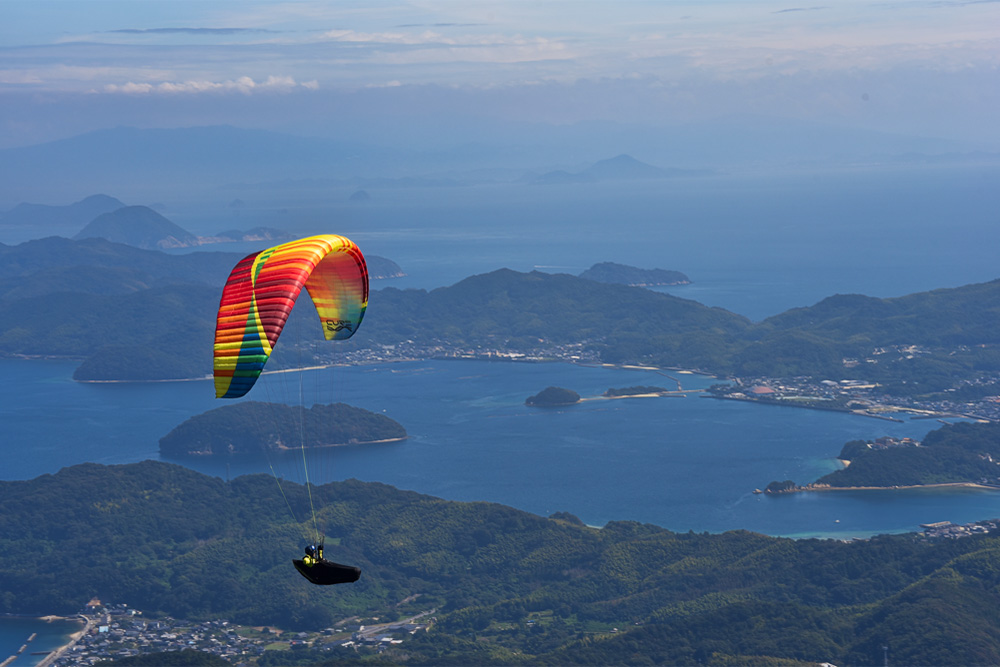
column 192, row 31
column 798, row 9
column 440, row 25
column 245, row 85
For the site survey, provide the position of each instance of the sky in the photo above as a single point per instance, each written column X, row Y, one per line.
column 402, row 69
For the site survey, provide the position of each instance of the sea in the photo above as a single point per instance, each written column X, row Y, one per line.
column 754, row 244
column 37, row 636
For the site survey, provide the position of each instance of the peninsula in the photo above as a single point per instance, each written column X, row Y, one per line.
column 621, row 274
column 257, row 427
column 956, row 454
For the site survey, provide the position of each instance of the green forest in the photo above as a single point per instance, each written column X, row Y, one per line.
column 962, row 452
column 553, row 397
column 508, row 587
column 151, row 316
column 251, row 426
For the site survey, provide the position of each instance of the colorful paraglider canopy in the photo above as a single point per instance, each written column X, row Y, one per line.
column 326, row 572
column 261, row 292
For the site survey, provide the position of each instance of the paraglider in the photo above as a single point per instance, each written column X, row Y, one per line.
column 261, row 291
column 323, row 572
column 256, row 302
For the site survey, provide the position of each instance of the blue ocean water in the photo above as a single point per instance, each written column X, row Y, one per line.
column 756, row 244
column 687, row 463
column 49, row 635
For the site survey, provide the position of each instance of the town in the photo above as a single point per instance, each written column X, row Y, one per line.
column 116, row 630
column 857, row 397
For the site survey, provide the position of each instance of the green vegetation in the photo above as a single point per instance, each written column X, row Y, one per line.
column 250, row 426
column 508, row 587
column 960, row 452
column 609, row 272
column 553, row 397
column 921, row 344
column 781, row 487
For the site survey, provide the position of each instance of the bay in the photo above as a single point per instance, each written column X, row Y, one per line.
column 688, row 463
column 49, row 635
column 756, row 244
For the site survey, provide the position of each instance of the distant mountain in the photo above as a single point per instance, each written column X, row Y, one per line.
column 609, row 272
column 620, row 168
column 98, row 266
column 360, row 196
column 627, row 167
column 380, row 268
column 138, row 226
column 34, row 261
column 45, row 217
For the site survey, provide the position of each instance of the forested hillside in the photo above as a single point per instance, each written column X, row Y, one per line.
column 961, row 452
column 131, row 304
column 250, row 426
column 168, row 540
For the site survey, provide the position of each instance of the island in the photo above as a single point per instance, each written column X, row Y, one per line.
column 964, row 453
column 254, row 427
column 138, row 226
column 620, row 274
column 553, row 397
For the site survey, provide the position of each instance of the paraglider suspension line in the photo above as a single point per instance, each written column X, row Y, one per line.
column 270, row 463
column 305, row 463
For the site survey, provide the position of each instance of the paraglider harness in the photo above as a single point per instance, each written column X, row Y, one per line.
column 323, row 572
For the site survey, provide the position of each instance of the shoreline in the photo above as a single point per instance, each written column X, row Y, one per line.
column 55, row 653
column 282, row 448
column 917, row 414
column 596, row 364
column 938, row 485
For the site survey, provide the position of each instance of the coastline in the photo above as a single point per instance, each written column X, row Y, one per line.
column 283, row 448
column 789, row 404
column 374, row 362
column 49, row 656
column 55, row 654
column 938, row 485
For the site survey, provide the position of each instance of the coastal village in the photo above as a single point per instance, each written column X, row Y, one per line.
column 116, row 630
column 112, row 631
column 858, row 397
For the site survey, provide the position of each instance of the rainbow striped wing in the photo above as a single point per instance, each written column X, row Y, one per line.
column 261, row 292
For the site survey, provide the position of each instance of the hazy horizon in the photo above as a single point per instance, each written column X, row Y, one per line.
column 441, row 74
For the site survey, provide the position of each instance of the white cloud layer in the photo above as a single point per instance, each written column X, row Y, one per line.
column 243, row 84
column 922, row 63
